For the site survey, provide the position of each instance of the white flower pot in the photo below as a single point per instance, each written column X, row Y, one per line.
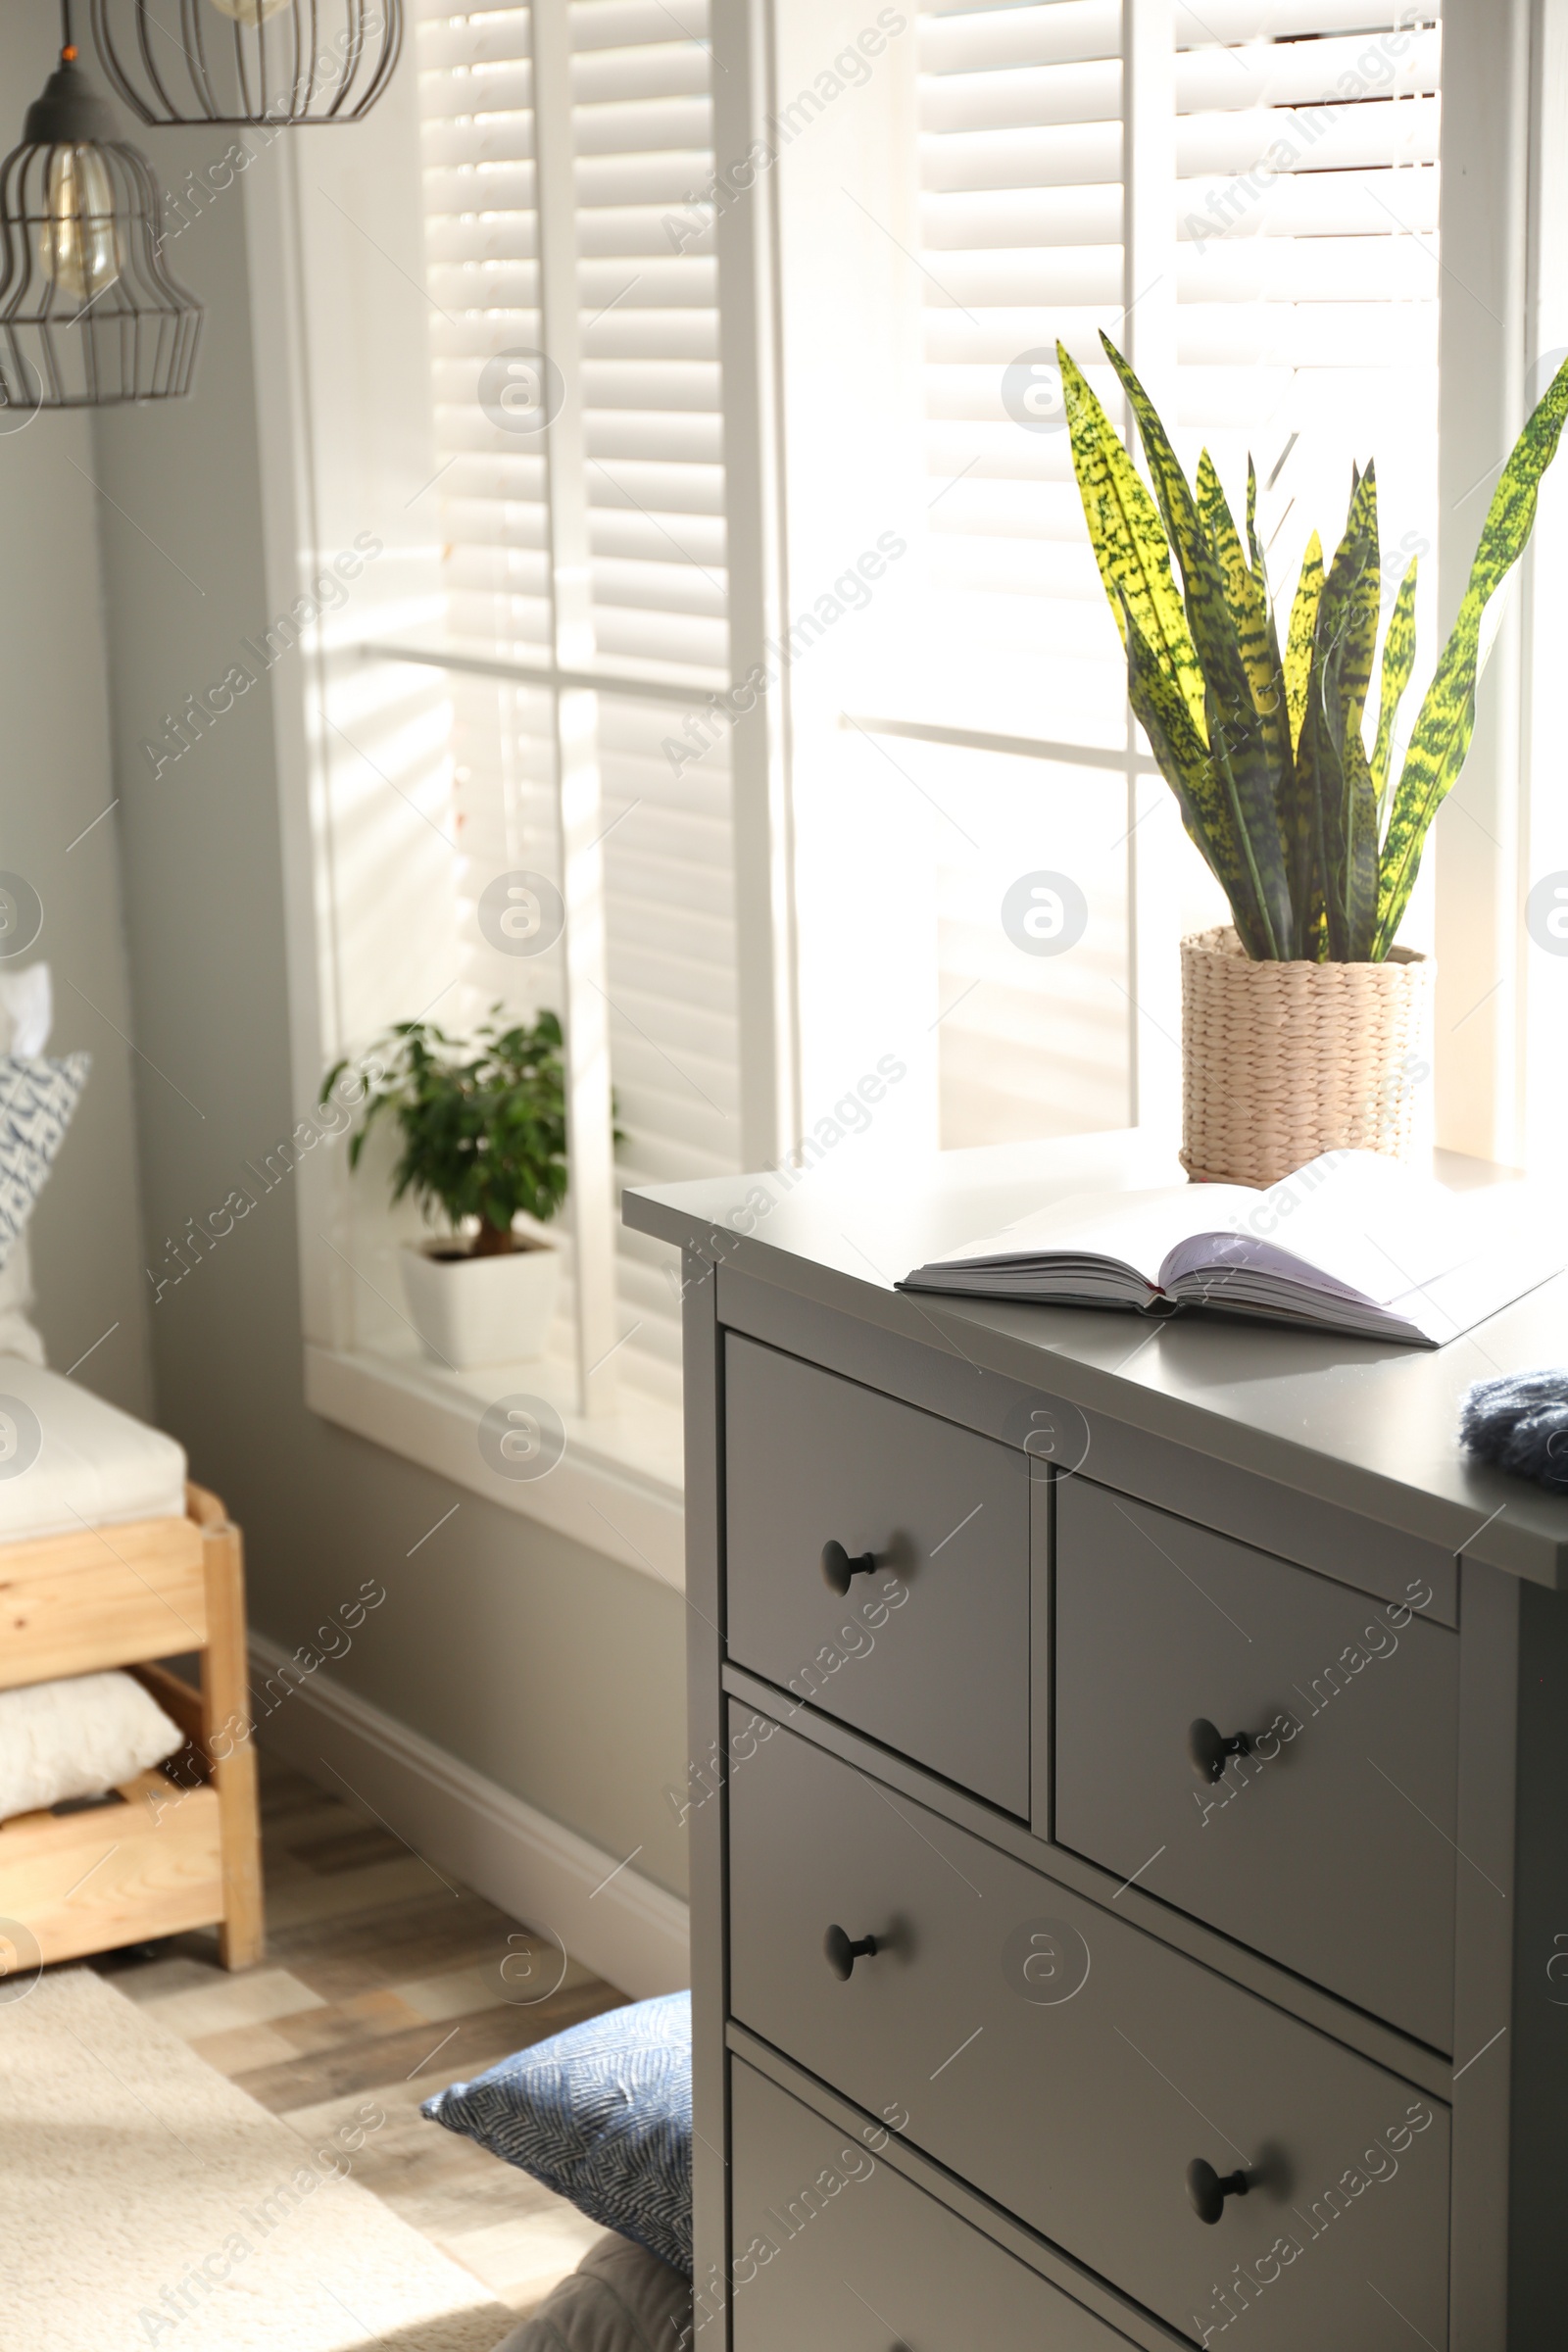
column 481, row 1311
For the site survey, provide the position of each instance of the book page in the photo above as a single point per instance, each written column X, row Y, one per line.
column 1130, row 1229
column 1358, row 1224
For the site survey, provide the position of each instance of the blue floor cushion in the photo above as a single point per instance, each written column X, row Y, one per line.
column 602, row 2114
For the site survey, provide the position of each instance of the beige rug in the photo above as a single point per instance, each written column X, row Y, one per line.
column 145, row 2200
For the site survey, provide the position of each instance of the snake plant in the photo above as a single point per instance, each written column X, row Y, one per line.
column 1315, row 849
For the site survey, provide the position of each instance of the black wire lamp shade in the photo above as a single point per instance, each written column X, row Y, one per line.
column 249, row 61
column 90, row 316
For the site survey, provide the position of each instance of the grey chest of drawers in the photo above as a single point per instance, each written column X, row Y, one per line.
column 1128, row 1807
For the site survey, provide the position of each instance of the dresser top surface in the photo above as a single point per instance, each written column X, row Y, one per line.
column 1357, row 1422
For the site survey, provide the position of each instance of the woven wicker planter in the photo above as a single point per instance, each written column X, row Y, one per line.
column 1281, row 1061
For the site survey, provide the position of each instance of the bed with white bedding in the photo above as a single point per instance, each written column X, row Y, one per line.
column 127, row 1796
column 68, row 1459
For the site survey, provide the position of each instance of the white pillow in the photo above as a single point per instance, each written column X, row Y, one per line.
column 27, row 1016
column 79, row 1738
column 619, row 2299
column 26, row 1009
column 18, row 1336
column 38, row 1096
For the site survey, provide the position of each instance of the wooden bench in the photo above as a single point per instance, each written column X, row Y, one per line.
column 184, row 1850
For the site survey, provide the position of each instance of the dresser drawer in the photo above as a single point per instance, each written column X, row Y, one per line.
column 1330, row 1847
column 929, row 1650
column 1072, row 2067
column 835, row 2252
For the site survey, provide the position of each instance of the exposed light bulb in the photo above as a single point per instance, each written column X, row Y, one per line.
column 76, row 241
column 249, row 12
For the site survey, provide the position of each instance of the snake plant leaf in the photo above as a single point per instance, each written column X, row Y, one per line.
column 1440, row 737
column 1277, row 666
column 1234, row 756
column 1235, row 732
column 1360, row 621
column 1398, row 659
column 1338, row 784
column 1282, row 779
column 1361, row 886
column 1318, row 826
column 1128, row 539
column 1438, row 746
column 1259, row 572
column 1299, row 826
column 1296, row 791
column 1249, row 614
column 1339, row 792
column 1298, row 638
column 1188, row 768
column 1202, row 586
column 1294, row 786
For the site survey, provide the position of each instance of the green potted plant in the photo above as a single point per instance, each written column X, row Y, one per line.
column 1302, row 1022
column 483, row 1126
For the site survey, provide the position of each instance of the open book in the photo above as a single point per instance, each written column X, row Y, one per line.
column 1351, row 1243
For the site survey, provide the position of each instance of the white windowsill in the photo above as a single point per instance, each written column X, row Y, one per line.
column 617, row 1487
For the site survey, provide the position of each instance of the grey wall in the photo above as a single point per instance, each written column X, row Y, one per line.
column 54, row 782
column 552, row 1670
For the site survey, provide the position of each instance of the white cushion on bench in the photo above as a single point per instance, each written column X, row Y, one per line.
column 90, row 1464
column 79, row 1738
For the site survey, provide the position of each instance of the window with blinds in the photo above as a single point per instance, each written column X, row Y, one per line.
column 1243, row 196
column 1287, row 304
column 643, row 411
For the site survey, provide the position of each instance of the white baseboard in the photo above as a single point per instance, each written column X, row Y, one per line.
column 615, row 1922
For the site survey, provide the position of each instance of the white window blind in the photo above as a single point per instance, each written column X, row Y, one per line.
column 1245, row 198
column 1285, row 303
column 643, row 413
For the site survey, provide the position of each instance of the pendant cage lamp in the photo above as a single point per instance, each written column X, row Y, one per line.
column 261, row 62
column 90, row 316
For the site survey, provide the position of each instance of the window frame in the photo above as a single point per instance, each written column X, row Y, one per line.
column 617, row 1487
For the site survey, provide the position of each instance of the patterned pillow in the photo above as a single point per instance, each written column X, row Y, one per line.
column 37, row 1097
column 602, row 2114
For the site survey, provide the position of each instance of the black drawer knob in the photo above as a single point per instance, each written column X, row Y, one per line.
column 838, row 1567
column 1210, row 1752
column 842, row 1954
column 1209, row 2189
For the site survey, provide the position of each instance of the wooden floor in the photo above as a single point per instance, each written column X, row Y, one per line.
column 383, row 1981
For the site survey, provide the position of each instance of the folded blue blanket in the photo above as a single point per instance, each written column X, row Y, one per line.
column 1520, row 1422
column 601, row 2114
